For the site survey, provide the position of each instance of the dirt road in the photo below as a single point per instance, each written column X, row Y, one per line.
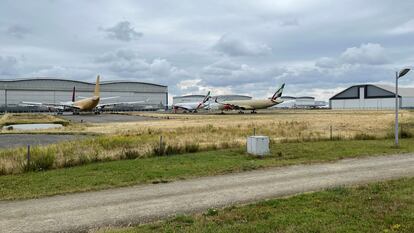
column 83, row 211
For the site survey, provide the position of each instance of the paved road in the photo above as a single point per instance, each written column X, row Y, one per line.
column 18, row 140
column 83, row 211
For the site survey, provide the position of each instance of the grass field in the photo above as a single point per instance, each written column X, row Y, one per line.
column 105, row 175
column 379, row 207
column 201, row 132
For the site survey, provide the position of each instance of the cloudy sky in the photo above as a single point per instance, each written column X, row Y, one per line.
column 246, row 47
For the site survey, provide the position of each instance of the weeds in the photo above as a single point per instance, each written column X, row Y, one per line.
column 130, row 154
column 40, row 160
column 172, row 149
column 211, row 212
column 364, row 136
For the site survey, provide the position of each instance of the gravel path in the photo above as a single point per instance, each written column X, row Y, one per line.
column 138, row 204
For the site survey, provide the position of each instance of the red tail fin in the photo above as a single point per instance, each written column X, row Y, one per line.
column 73, row 95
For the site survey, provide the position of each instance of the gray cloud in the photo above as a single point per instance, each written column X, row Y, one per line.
column 8, row 66
column 127, row 64
column 233, row 46
column 366, row 54
column 17, row 31
column 228, row 73
column 405, row 28
column 289, row 22
column 123, row 31
column 370, row 53
column 312, row 46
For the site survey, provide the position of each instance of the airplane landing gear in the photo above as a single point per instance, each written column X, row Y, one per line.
column 253, row 112
column 241, row 112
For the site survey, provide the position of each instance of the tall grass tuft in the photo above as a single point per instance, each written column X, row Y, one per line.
column 191, row 147
column 364, row 136
column 130, row 154
column 40, row 160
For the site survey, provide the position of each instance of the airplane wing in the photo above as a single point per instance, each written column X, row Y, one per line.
column 108, row 98
column 101, row 98
column 184, row 107
column 68, row 105
column 103, row 105
column 234, row 106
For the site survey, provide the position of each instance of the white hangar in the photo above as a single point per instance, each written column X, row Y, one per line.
column 372, row 96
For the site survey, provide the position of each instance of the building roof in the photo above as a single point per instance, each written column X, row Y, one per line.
column 77, row 81
column 305, row 97
column 402, row 91
column 388, row 91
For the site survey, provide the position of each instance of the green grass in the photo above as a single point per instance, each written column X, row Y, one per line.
column 168, row 168
column 378, row 207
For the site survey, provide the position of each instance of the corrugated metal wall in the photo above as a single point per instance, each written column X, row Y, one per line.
column 55, row 91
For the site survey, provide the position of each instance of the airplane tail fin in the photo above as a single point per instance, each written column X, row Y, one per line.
column 73, row 94
column 206, row 98
column 278, row 93
column 97, row 88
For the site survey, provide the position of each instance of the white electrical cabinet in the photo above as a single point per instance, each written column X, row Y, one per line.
column 258, row 145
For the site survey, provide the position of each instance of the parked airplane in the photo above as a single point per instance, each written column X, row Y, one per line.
column 85, row 104
column 192, row 106
column 252, row 105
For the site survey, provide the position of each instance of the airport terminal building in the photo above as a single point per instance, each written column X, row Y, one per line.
column 52, row 90
column 370, row 96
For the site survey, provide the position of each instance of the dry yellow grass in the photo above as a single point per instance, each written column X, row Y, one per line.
column 210, row 131
column 277, row 124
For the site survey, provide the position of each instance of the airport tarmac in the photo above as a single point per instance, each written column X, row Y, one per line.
column 19, row 140
column 104, row 118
